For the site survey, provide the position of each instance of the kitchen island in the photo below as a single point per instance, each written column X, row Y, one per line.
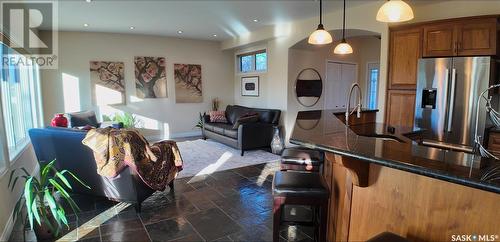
column 382, row 179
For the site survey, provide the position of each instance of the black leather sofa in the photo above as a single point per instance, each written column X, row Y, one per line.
column 247, row 136
column 65, row 145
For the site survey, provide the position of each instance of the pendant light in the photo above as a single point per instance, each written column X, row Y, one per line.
column 394, row 11
column 320, row 36
column 343, row 48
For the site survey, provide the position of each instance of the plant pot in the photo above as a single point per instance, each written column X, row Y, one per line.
column 43, row 232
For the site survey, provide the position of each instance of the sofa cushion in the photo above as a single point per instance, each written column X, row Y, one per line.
column 246, row 118
column 270, row 116
column 233, row 133
column 217, row 116
column 235, row 112
column 218, row 127
column 83, row 118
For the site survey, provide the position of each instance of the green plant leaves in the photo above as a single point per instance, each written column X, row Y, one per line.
column 27, row 196
column 76, row 178
column 40, row 193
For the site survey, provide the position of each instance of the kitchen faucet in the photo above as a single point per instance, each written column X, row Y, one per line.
column 348, row 104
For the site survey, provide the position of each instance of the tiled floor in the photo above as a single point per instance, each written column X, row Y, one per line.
column 233, row 205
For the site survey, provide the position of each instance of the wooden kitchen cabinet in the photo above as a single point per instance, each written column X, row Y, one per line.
column 477, row 37
column 439, row 40
column 400, row 108
column 463, row 37
column 405, row 49
column 494, row 143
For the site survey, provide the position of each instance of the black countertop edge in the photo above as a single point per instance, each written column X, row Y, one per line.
column 363, row 110
column 404, row 167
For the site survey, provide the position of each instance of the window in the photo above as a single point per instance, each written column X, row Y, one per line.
column 372, row 76
column 18, row 86
column 253, row 62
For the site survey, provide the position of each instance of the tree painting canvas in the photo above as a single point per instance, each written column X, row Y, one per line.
column 150, row 77
column 188, row 88
column 108, row 78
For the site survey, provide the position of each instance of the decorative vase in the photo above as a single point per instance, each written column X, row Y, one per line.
column 59, row 121
column 276, row 143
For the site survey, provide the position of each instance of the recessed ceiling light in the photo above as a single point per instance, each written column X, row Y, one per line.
column 85, row 25
column 132, row 27
column 255, row 20
column 88, row 1
column 214, row 35
column 179, row 31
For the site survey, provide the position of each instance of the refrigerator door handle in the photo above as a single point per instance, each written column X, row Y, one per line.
column 452, row 98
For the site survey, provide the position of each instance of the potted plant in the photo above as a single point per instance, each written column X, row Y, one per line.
column 42, row 199
column 127, row 119
column 200, row 122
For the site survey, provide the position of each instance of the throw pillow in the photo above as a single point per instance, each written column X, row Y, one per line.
column 246, row 118
column 217, row 116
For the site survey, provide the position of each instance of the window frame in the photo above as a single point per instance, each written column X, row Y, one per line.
column 253, row 54
column 10, row 155
column 369, row 67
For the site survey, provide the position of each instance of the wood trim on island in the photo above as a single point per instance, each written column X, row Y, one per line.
column 416, row 207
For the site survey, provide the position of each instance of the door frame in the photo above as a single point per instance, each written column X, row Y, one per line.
column 339, row 62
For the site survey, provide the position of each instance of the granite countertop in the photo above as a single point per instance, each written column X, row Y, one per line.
column 324, row 130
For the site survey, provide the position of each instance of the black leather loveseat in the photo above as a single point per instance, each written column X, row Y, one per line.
column 248, row 135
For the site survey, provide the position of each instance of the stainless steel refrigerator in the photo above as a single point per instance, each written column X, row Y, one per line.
column 447, row 90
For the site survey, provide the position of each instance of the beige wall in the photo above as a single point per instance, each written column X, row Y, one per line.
column 366, row 49
column 76, row 49
column 280, row 38
column 264, row 92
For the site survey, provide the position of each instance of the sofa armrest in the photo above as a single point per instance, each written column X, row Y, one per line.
column 206, row 118
column 255, row 135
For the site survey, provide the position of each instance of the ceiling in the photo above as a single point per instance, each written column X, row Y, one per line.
column 199, row 19
column 350, row 33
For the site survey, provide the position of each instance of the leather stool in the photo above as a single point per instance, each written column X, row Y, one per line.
column 301, row 159
column 387, row 237
column 301, row 188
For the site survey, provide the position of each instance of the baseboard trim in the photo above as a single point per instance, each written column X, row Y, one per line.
column 9, row 226
column 186, row 134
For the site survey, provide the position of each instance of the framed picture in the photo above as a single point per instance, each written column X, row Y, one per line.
column 250, row 86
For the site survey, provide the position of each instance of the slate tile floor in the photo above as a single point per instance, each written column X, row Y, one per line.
column 232, row 205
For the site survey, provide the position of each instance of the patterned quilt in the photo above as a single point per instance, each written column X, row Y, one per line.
column 114, row 149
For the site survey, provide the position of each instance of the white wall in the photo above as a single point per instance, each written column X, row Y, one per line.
column 280, row 38
column 76, row 49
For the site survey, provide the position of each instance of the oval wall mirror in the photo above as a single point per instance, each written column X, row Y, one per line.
column 308, row 87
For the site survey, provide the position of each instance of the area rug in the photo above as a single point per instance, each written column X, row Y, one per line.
column 205, row 157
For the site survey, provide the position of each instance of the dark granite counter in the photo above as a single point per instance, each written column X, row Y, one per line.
column 375, row 143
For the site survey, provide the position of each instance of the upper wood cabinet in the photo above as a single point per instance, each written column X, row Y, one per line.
column 465, row 37
column 478, row 37
column 405, row 49
column 439, row 40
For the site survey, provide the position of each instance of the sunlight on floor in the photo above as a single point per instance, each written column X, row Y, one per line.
column 213, row 167
column 266, row 172
column 94, row 222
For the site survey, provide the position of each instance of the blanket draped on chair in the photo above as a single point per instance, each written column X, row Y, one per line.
column 114, row 149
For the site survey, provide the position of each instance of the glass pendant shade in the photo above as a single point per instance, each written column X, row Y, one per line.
column 320, row 37
column 394, row 11
column 343, row 48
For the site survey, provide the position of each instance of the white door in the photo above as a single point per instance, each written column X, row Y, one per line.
column 339, row 78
